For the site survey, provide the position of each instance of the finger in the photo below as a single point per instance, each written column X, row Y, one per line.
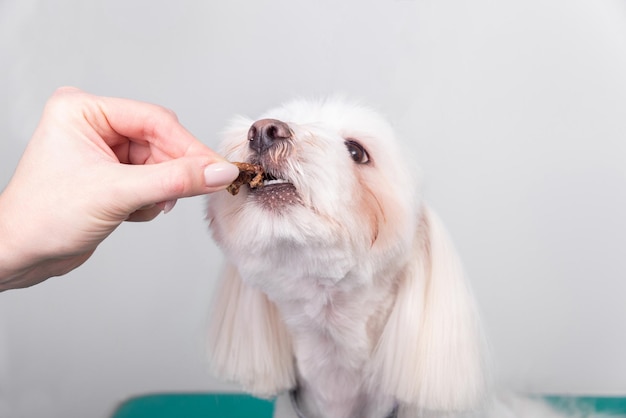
column 116, row 120
column 144, row 215
column 170, row 180
column 149, row 212
column 153, row 124
column 168, row 206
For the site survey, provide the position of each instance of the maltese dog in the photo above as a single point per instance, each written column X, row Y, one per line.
column 342, row 291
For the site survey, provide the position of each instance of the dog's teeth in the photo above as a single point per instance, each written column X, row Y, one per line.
column 277, row 181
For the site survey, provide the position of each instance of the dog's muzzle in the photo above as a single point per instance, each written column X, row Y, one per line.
column 266, row 138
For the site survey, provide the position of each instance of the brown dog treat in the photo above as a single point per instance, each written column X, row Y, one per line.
column 250, row 174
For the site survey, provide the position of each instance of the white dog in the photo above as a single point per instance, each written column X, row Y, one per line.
column 342, row 287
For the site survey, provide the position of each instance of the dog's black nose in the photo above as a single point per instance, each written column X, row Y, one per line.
column 265, row 133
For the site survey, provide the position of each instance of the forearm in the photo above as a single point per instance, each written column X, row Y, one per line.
column 18, row 276
column 14, row 278
column 16, row 270
column 21, row 265
column 17, row 267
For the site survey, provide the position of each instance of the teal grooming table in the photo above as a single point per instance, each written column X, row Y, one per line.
column 195, row 405
column 586, row 405
column 235, row 405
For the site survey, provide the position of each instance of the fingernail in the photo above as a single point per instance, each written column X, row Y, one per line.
column 169, row 205
column 220, row 174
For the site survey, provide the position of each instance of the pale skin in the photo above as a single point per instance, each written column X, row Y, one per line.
column 93, row 163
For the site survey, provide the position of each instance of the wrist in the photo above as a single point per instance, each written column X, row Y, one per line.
column 16, row 259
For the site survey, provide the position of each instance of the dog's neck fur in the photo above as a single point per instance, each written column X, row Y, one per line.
column 333, row 346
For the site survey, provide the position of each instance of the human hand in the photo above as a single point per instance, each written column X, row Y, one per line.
column 92, row 163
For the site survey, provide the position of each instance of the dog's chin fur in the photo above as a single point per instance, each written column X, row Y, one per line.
column 348, row 290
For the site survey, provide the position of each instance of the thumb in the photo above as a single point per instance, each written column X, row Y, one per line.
column 170, row 180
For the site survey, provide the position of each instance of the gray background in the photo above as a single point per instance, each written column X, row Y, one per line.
column 515, row 111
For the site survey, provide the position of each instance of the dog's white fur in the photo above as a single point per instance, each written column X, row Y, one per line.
column 354, row 294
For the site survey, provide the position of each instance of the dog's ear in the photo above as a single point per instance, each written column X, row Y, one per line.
column 248, row 342
column 430, row 355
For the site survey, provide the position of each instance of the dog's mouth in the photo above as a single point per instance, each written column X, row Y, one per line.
column 270, row 189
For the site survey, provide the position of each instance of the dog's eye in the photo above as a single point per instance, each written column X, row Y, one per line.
column 357, row 152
